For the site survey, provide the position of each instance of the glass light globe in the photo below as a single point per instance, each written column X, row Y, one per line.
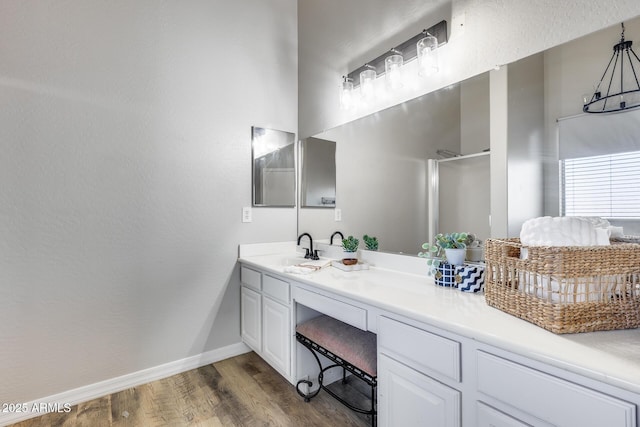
column 367, row 89
column 346, row 94
column 393, row 70
column 428, row 61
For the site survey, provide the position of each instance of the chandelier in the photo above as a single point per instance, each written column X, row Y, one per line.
column 621, row 81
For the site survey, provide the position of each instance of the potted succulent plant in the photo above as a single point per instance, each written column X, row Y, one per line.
column 448, row 246
column 454, row 246
column 350, row 246
column 371, row 243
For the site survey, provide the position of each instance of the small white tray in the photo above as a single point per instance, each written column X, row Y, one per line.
column 355, row 267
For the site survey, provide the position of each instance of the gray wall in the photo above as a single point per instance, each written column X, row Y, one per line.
column 125, row 162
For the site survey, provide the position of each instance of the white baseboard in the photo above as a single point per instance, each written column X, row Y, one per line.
column 92, row 391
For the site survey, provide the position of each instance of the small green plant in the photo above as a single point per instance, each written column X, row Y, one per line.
column 433, row 257
column 370, row 242
column 350, row 244
column 435, row 253
column 454, row 240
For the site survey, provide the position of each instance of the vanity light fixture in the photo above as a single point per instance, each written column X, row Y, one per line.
column 390, row 65
column 622, row 93
column 428, row 61
column 393, row 69
column 346, row 93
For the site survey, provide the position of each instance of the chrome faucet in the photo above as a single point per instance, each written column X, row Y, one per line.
column 334, row 234
column 310, row 253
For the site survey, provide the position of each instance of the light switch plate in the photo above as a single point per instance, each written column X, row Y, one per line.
column 246, row 214
column 337, row 214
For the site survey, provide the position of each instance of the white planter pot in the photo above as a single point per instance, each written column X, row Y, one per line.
column 456, row 256
column 349, row 258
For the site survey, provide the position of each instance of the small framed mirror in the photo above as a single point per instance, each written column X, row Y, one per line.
column 274, row 173
column 318, row 166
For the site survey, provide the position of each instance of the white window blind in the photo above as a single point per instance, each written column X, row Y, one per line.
column 605, row 186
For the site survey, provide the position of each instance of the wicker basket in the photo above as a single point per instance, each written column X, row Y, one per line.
column 565, row 289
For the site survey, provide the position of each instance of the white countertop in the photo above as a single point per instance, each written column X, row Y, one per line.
column 612, row 357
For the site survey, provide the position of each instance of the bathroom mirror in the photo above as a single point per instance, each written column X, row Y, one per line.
column 274, row 177
column 381, row 159
column 382, row 168
column 318, row 173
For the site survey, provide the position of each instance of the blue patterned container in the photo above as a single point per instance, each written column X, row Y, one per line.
column 446, row 275
column 470, row 277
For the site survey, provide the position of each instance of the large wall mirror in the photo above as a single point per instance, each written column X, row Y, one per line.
column 382, row 166
column 318, row 178
column 381, row 160
column 274, row 174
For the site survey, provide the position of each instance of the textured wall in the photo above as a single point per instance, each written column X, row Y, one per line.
column 125, row 141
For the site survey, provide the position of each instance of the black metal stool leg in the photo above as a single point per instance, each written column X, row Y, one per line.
column 346, row 366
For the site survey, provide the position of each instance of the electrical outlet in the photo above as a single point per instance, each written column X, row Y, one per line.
column 337, row 214
column 246, row 214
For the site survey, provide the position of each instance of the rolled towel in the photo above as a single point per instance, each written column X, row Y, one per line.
column 565, row 231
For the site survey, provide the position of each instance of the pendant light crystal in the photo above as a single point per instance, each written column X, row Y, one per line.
column 428, row 60
column 367, row 79
column 346, row 93
column 393, row 69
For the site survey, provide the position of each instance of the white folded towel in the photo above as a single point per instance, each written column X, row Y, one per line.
column 565, row 231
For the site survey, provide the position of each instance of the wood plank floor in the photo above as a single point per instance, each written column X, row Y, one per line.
column 241, row 391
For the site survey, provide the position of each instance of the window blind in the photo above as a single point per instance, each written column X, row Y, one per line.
column 606, row 186
column 598, row 134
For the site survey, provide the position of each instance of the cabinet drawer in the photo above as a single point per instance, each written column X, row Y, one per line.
column 276, row 288
column 347, row 313
column 489, row 417
column 549, row 398
column 250, row 277
column 428, row 353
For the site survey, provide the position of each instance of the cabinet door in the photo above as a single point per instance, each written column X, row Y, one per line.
column 276, row 339
column 408, row 398
column 251, row 318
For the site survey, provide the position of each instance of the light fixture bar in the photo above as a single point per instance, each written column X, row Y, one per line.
column 408, row 49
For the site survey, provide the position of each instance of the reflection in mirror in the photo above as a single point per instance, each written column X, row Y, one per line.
column 571, row 70
column 381, row 166
column 274, row 178
column 318, row 169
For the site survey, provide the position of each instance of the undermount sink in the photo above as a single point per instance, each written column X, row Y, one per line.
column 282, row 261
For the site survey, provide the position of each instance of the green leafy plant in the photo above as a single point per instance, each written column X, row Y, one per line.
column 435, row 253
column 454, row 240
column 433, row 257
column 350, row 244
column 370, row 242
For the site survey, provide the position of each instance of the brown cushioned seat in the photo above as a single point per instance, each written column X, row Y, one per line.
column 351, row 344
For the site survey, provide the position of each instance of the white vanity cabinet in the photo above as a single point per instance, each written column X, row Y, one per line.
column 265, row 315
column 445, row 358
column 421, row 382
column 522, row 391
column 409, row 361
